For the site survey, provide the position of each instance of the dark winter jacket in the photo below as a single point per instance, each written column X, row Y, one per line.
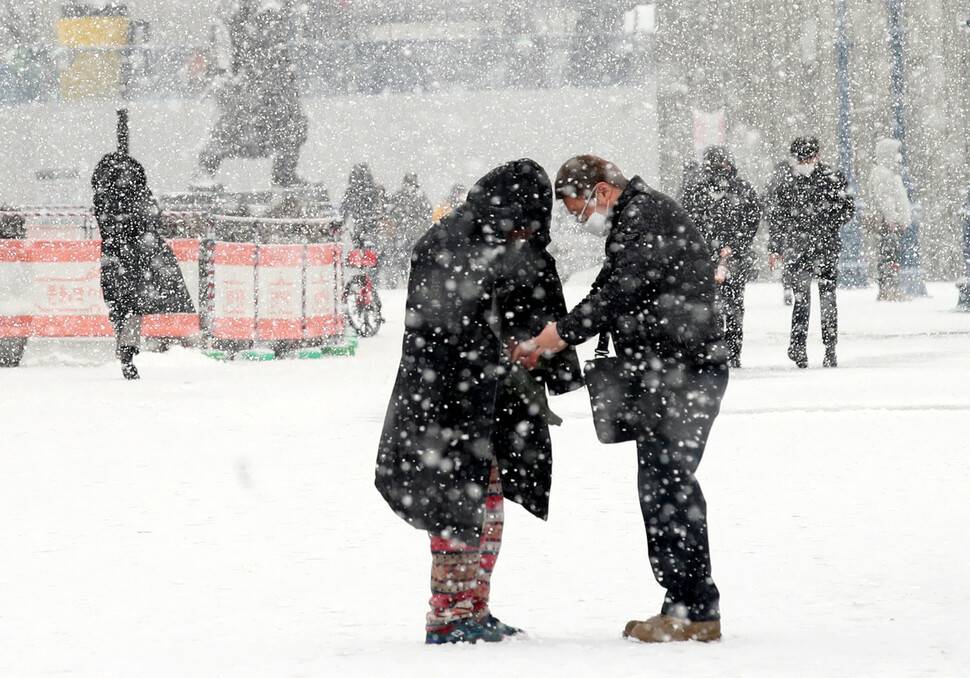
column 363, row 205
column 410, row 212
column 727, row 212
column 139, row 272
column 473, row 286
column 655, row 293
column 806, row 214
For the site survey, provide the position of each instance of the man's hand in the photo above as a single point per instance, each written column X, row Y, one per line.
column 774, row 260
column 548, row 343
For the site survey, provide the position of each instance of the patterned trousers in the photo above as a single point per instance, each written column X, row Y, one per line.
column 461, row 575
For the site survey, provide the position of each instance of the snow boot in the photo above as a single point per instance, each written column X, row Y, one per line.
column 465, row 631
column 493, row 623
column 128, row 369
column 799, row 357
column 666, row 629
column 830, row 358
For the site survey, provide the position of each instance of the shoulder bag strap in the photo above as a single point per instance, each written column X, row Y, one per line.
column 603, row 347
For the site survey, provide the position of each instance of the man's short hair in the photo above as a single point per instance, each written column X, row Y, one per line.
column 804, row 148
column 578, row 176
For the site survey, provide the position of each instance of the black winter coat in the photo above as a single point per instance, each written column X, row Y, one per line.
column 806, row 214
column 472, row 288
column 727, row 212
column 139, row 272
column 655, row 293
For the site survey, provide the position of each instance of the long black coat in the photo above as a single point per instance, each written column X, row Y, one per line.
column 655, row 293
column 530, row 297
column 473, row 285
column 139, row 272
column 806, row 214
column 727, row 212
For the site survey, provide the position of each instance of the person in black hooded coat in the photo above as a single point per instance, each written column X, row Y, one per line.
column 139, row 273
column 726, row 210
column 463, row 428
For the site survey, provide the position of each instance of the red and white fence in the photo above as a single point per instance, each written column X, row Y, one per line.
column 250, row 292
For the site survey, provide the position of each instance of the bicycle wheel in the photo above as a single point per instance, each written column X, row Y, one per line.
column 363, row 306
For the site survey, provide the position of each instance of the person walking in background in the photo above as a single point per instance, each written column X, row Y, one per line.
column 363, row 206
column 893, row 215
column 726, row 210
column 655, row 297
column 806, row 215
column 410, row 213
column 456, row 196
column 139, row 273
column 464, row 430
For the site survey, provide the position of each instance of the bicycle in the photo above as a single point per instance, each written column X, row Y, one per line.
column 361, row 299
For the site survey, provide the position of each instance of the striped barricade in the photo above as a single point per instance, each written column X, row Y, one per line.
column 324, row 280
column 233, row 291
column 279, row 292
column 179, row 325
column 16, row 288
column 66, row 298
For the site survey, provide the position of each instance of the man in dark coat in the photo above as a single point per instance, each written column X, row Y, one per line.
column 255, row 84
column 363, row 209
column 726, row 210
column 655, row 296
column 462, row 428
column 139, row 273
column 410, row 215
column 806, row 215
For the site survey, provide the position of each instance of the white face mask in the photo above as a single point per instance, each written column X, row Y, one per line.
column 805, row 169
column 596, row 223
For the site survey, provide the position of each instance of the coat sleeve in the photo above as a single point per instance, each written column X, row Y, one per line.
column 632, row 259
column 751, row 211
column 840, row 201
column 777, row 218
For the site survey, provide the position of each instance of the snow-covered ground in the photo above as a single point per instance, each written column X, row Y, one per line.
column 219, row 520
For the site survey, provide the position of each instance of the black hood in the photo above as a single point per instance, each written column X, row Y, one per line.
column 516, row 196
column 120, row 186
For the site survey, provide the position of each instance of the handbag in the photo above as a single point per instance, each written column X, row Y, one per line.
column 623, row 400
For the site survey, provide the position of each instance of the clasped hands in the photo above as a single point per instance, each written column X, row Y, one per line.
column 548, row 343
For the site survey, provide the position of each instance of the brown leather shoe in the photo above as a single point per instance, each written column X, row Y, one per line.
column 666, row 629
column 628, row 629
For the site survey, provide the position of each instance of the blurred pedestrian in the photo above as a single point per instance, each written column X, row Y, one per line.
column 363, row 208
column 139, row 273
column 410, row 212
column 726, row 210
column 806, row 215
column 893, row 215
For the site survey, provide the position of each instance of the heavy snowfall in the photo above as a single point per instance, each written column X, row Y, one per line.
column 291, row 290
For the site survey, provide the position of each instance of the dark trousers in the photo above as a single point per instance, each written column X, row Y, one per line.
column 730, row 301
column 673, row 505
column 825, row 269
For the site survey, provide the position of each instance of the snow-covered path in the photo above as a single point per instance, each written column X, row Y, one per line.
column 220, row 520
